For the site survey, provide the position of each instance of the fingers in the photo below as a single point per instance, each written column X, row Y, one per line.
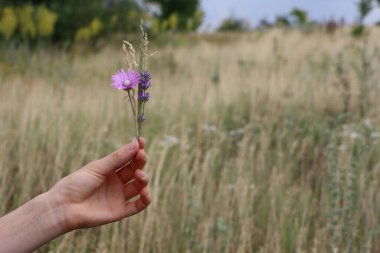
column 138, row 205
column 141, row 142
column 126, row 174
column 133, row 189
column 115, row 160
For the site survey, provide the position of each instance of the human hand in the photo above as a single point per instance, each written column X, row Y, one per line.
column 99, row 192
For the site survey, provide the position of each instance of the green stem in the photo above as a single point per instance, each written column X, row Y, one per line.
column 140, row 114
column 140, row 109
column 134, row 113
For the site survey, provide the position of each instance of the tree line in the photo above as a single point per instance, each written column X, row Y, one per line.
column 73, row 20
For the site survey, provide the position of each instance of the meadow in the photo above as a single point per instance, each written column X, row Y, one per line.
column 257, row 142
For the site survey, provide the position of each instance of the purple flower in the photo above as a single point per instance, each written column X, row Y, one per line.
column 143, row 96
column 145, row 80
column 145, row 85
column 141, row 118
column 125, row 80
column 146, row 75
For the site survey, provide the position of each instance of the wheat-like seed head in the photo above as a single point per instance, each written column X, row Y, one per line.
column 146, row 42
column 127, row 56
column 129, row 50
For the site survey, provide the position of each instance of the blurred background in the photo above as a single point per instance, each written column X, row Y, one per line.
column 262, row 130
column 69, row 21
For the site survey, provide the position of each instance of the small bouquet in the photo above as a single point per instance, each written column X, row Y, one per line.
column 136, row 80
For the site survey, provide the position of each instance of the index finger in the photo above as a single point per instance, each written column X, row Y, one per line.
column 116, row 160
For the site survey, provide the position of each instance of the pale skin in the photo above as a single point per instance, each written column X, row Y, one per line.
column 94, row 195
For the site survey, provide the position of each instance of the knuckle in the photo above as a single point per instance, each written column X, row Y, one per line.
column 94, row 165
column 146, row 177
column 148, row 200
column 143, row 176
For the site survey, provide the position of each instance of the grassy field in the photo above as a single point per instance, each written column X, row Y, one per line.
column 263, row 142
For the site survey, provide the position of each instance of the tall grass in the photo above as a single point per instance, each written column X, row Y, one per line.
column 251, row 145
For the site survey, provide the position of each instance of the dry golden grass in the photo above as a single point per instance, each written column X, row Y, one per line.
column 249, row 146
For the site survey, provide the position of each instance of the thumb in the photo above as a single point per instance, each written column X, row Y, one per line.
column 116, row 160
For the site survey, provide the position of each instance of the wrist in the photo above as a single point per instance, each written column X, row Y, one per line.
column 35, row 223
column 54, row 215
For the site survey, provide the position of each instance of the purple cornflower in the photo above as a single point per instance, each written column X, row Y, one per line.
column 145, row 80
column 143, row 96
column 125, row 80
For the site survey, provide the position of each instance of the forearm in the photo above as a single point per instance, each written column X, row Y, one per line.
column 32, row 225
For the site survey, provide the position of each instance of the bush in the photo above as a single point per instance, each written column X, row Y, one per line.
column 173, row 22
column 46, row 20
column 300, row 16
column 184, row 9
column 89, row 32
column 234, row 24
column 8, row 22
column 27, row 22
column 67, row 21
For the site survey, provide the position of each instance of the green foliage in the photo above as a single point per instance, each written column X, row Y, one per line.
column 155, row 27
column 74, row 16
column 90, row 31
column 67, row 20
column 296, row 18
column 282, row 21
column 164, row 25
column 45, row 21
column 234, row 24
column 8, row 22
column 173, row 22
column 364, row 7
column 300, row 16
column 358, row 31
column 27, row 24
column 132, row 20
column 198, row 18
column 188, row 13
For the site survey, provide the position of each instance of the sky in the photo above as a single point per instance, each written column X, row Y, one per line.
column 255, row 10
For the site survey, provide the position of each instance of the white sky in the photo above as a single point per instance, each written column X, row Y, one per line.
column 255, row 10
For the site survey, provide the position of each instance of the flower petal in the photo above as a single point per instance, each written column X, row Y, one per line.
column 118, row 79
